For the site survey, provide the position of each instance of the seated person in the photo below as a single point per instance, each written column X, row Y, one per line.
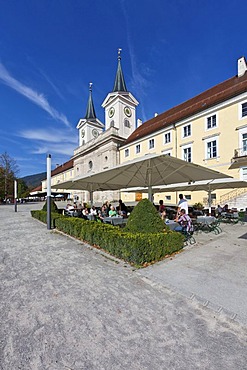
column 112, row 212
column 161, row 207
column 163, row 215
column 93, row 211
column 184, row 221
column 122, row 209
column 85, row 213
column 69, row 207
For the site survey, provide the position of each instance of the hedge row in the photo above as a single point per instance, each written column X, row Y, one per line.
column 136, row 248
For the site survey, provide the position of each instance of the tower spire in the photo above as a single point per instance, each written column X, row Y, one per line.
column 119, row 84
column 90, row 113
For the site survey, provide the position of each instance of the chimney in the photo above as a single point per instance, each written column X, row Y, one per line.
column 242, row 66
column 139, row 122
column 155, row 114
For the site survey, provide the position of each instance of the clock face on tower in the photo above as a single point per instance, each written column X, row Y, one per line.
column 82, row 133
column 127, row 111
column 95, row 132
column 111, row 112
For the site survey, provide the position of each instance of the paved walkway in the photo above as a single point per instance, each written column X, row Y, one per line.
column 64, row 305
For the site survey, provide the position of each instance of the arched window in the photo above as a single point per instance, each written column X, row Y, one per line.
column 126, row 123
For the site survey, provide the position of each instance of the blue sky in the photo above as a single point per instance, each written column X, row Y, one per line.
column 51, row 49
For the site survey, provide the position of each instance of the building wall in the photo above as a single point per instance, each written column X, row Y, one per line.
column 226, row 133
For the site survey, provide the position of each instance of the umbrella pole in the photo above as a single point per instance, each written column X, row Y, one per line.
column 91, row 197
column 209, row 200
column 150, row 194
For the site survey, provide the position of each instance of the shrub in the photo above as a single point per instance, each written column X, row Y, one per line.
column 134, row 247
column 198, row 205
column 144, row 219
column 42, row 216
column 53, row 206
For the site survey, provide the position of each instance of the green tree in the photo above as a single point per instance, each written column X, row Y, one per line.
column 23, row 189
column 8, row 173
column 145, row 219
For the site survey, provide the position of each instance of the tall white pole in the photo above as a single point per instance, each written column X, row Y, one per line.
column 48, row 185
column 15, row 195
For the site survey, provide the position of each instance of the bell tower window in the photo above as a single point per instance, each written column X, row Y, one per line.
column 126, row 123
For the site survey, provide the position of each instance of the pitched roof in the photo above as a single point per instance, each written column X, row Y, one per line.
column 63, row 167
column 215, row 95
column 38, row 188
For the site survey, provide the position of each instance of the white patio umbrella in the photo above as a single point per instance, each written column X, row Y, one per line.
column 208, row 185
column 148, row 171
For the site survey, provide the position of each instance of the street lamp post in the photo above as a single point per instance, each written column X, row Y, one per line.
column 48, row 197
column 15, row 195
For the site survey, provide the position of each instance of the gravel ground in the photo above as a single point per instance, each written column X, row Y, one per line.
column 65, row 305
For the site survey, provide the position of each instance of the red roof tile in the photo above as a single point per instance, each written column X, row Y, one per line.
column 215, row 95
column 38, row 188
column 63, row 167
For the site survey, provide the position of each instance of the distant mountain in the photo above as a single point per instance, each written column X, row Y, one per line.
column 32, row 181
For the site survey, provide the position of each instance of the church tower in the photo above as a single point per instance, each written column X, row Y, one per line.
column 89, row 127
column 120, row 106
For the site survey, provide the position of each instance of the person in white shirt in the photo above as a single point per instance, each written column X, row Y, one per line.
column 93, row 211
column 182, row 204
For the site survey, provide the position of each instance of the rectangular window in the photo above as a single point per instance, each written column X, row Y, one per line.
column 211, row 122
column 126, row 152
column 244, row 109
column 151, row 143
column 211, row 149
column 187, row 154
column 187, row 130
column 244, row 172
column 167, row 138
column 188, row 197
column 244, row 142
column 168, row 197
column 138, row 148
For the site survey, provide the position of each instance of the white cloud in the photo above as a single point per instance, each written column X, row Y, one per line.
column 67, row 150
column 51, row 136
column 57, row 91
column 32, row 95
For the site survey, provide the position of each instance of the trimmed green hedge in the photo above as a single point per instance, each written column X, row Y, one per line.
column 42, row 216
column 135, row 248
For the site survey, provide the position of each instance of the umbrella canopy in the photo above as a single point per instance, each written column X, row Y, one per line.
column 209, row 186
column 216, row 184
column 149, row 171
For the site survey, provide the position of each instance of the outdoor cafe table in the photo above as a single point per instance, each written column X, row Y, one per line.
column 171, row 224
column 205, row 220
column 115, row 220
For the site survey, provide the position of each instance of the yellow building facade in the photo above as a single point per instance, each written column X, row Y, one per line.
column 209, row 129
